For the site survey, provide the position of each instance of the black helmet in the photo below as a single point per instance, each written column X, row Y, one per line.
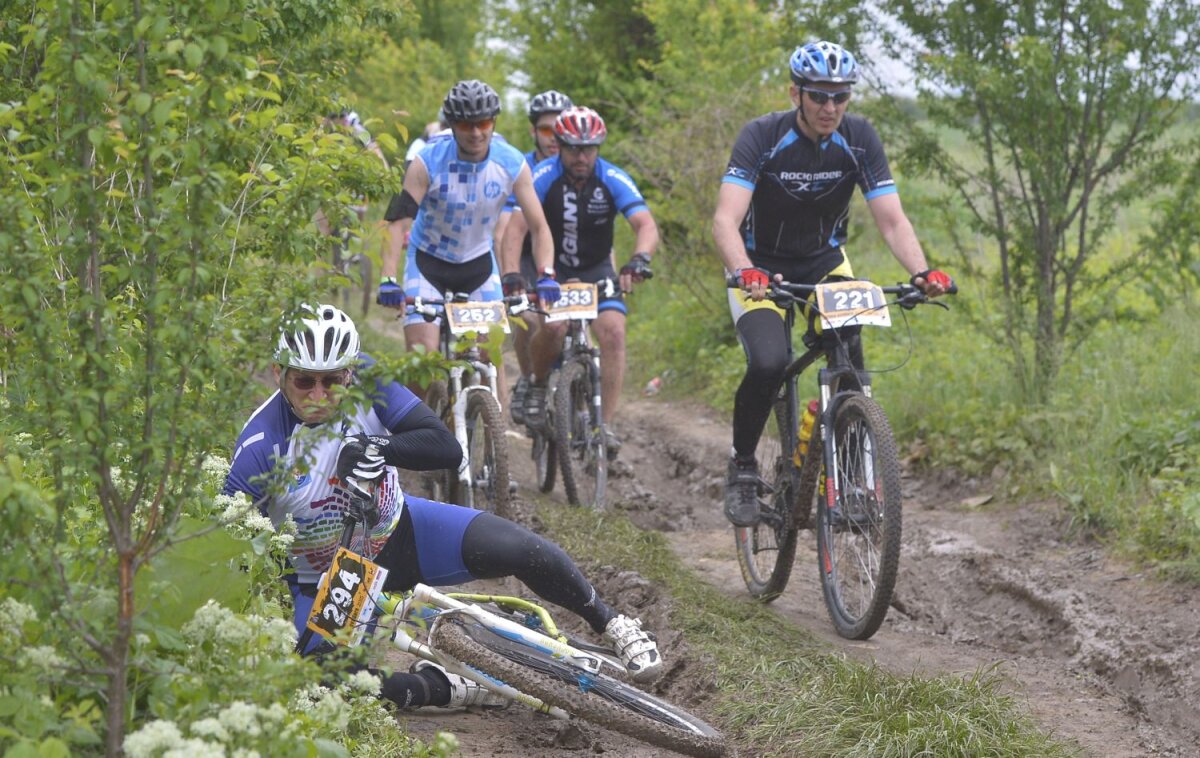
column 471, row 100
column 550, row 101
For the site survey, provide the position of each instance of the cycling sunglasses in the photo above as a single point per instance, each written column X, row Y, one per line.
column 545, row 131
column 306, row 382
column 467, row 126
column 820, row 96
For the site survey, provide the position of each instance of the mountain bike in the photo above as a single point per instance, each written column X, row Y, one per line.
column 851, row 471
column 575, row 437
column 506, row 644
column 468, row 403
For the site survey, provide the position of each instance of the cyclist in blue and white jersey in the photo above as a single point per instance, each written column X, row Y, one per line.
column 303, row 454
column 453, row 196
column 543, row 109
column 782, row 212
column 581, row 195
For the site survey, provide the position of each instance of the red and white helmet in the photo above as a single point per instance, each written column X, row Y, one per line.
column 580, row 126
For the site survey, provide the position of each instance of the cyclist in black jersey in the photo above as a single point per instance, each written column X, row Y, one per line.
column 581, row 194
column 782, row 212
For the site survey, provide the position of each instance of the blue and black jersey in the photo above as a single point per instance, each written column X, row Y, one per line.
column 798, row 214
column 581, row 220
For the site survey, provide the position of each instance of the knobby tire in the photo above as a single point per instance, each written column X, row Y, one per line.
column 594, row 697
column 858, row 539
column 767, row 551
column 545, row 460
column 488, row 451
column 579, row 436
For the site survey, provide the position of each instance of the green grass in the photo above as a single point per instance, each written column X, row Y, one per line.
column 781, row 692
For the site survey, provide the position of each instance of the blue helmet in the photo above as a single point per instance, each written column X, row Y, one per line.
column 823, row 62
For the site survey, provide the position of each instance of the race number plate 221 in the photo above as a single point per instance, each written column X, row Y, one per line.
column 852, row 303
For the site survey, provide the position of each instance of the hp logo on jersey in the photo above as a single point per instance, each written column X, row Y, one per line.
column 491, row 189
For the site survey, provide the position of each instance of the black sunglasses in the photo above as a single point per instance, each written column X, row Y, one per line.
column 820, row 96
column 305, row 382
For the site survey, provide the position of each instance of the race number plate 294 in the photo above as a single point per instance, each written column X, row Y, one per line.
column 346, row 597
column 578, row 301
column 476, row 317
column 853, row 303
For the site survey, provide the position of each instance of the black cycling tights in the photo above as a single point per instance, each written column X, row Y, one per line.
column 764, row 338
column 494, row 547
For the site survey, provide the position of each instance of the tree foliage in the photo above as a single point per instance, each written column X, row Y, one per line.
column 162, row 161
column 1061, row 102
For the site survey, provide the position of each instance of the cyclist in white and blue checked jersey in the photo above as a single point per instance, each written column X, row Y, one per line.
column 452, row 199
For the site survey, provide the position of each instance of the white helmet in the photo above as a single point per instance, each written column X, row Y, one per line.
column 326, row 341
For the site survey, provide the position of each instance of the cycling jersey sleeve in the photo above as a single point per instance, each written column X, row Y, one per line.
column 626, row 196
column 747, row 157
column 421, row 442
column 875, row 176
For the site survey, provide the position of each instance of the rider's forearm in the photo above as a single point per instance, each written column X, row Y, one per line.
column 730, row 245
column 393, row 246
column 421, row 442
column 903, row 242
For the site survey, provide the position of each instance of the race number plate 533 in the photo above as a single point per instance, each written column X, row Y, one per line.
column 577, row 301
column 853, row 303
column 346, row 597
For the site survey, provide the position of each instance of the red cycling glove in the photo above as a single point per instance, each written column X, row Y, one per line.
column 748, row 277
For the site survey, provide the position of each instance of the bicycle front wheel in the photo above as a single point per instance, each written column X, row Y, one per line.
column 545, row 460
column 488, row 451
column 858, row 523
column 767, row 551
column 594, row 697
column 440, row 485
column 580, row 438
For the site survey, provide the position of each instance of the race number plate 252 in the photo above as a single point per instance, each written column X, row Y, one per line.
column 346, row 597
column 853, row 303
column 578, row 300
column 476, row 317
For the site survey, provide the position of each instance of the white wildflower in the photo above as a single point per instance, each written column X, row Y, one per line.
column 206, row 622
column 233, row 507
column 152, row 738
column 42, row 657
column 210, row 728
column 333, row 712
column 283, row 542
column 242, row 752
column 14, row 615
column 141, row 640
column 364, row 682
column 273, row 714
column 195, row 749
column 216, row 467
column 307, row 698
column 240, row 717
column 256, row 522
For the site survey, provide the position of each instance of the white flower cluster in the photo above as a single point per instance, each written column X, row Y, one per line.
column 251, row 720
column 324, row 705
column 364, row 682
column 42, row 657
column 217, row 468
column 14, row 615
column 235, row 725
column 214, row 622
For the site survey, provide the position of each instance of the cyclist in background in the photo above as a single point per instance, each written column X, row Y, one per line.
column 581, row 194
column 303, row 454
column 347, row 122
column 782, row 213
column 544, row 108
column 452, row 199
column 432, row 128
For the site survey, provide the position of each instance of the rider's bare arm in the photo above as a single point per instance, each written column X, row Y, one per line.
column 416, row 183
column 512, row 242
column 531, row 207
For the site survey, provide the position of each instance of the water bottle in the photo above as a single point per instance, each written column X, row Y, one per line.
column 806, row 430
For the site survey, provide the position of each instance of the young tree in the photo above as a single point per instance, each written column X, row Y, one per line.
column 1060, row 101
column 162, row 163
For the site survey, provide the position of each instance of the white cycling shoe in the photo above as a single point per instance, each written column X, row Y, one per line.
column 636, row 649
column 464, row 693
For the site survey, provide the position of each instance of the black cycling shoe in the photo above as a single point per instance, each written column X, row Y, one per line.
column 535, row 407
column 741, row 492
column 519, row 393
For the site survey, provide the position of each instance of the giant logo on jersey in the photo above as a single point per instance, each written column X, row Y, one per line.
column 570, row 241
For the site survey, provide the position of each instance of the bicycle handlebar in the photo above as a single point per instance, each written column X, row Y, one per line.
column 431, row 309
column 787, row 294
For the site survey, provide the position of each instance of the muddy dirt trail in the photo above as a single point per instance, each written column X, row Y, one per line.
column 1102, row 655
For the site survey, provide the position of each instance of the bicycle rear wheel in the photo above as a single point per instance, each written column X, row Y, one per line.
column 594, row 697
column 488, row 451
column 858, row 537
column 580, row 438
column 767, row 551
column 440, row 485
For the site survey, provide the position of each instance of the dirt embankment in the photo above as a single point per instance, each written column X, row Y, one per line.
column 1102, row 655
